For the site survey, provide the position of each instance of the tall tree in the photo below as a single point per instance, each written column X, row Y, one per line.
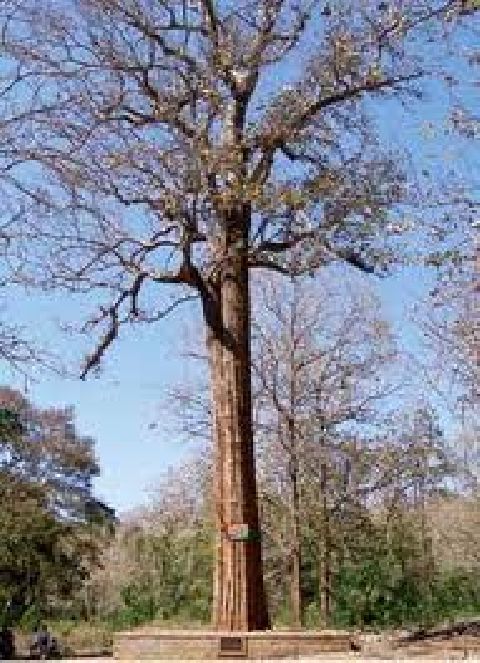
column 151, row 143
column 323, row 359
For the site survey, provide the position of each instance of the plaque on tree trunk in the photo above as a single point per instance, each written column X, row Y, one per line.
column 233, row 646
column 242, row 532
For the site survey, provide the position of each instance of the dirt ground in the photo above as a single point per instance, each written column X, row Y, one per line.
column 461, row 640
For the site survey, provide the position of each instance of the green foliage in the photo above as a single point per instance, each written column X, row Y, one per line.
column 378, row 592
column 456, row 594
column 170, row 579
column 139, row 602
column 30, row 618
column 378, row 584
column 366, row 595
column 9, row 422
column 46, row 547
column 43, row 447
column 40, row 557
column 311, row 615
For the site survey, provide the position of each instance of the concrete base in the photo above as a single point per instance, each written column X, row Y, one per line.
column 155, row 643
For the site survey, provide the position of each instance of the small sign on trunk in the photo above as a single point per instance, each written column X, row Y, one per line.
column 242, row 532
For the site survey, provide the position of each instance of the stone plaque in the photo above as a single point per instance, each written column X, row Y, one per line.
column 233, row 646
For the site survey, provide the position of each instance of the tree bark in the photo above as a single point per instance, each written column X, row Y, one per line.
column 295, row 580
column 325, row 561
column 296, row 584
column 239, row 601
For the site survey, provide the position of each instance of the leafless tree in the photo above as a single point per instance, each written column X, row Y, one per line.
column 451, row 326
column 323, row 358
column 15, row 351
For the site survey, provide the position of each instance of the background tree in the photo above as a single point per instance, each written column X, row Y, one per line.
column 359, row 486
column 451, row 326
column 159, row 564
column 149, row 143
column 49, row 452
column 323, row 358
column 15, row 351
column 51, row 524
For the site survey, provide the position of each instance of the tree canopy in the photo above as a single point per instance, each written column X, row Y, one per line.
column 131, row 130
column 48, row 513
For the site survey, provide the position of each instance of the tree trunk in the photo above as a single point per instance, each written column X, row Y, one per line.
column 296, row 566
column 296, row 585
column 325, row 551
column 239, row 599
